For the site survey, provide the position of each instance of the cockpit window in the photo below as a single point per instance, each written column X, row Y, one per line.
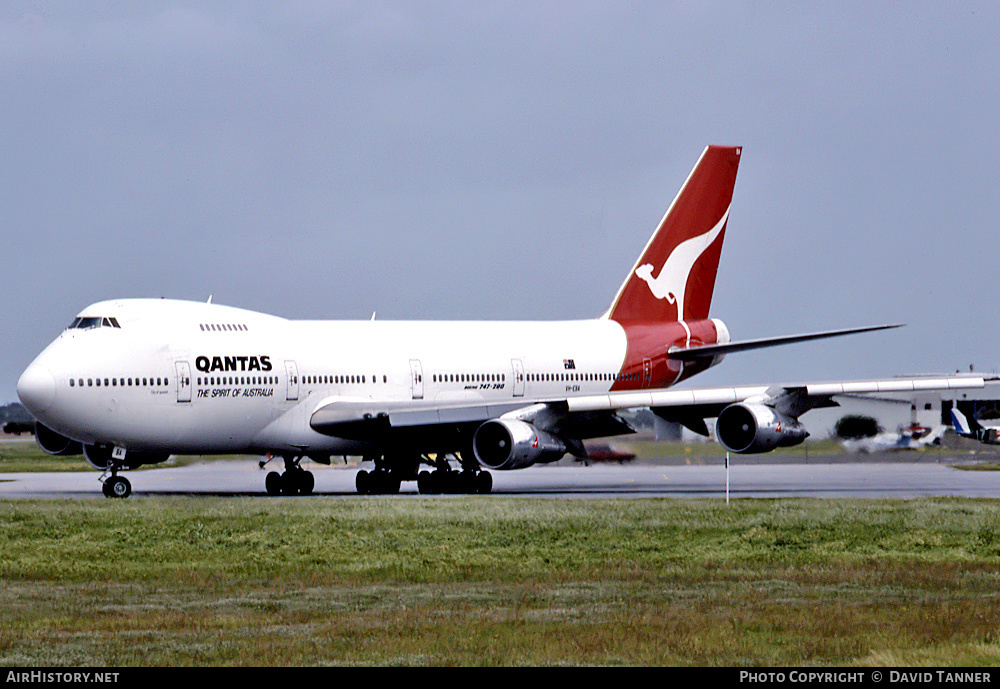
column 87, row 322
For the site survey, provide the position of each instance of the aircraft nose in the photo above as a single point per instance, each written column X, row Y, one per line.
column 36, row 388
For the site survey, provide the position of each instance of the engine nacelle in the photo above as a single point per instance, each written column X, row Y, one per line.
column 99, row 456
column 55, row 444
column 512, row 444
column 750, row 428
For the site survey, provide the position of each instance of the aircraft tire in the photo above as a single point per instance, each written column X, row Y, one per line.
column 295, row 482
column 362, row 481
column 484, row 483
column 466, row 483
column 425, row 482
column 452, row 482
column 437, row 482
column 378, row 482
column 117, row 487
column 386, row 482
column 272, row 483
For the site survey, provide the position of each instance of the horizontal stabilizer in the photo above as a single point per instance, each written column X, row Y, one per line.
column 701, row 351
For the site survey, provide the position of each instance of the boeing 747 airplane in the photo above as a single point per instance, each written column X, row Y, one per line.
column 132, row 381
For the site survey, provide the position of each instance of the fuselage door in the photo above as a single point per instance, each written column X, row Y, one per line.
column 183, row 381
column 417, row 379
column 647, row 372
column 292, row 371
column 518, row 367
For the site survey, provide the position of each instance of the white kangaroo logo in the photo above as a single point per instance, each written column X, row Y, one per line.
column 671, row 283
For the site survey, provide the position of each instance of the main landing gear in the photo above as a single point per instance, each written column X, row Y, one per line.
column 451, row 481
column 294, row 481
column 387, row 477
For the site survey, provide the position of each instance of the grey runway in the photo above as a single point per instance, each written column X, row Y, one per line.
column 242, row 477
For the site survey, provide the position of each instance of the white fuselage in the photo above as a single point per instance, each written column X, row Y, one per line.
column 184, row 377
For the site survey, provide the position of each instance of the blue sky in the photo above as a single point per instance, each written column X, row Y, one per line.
column 506, row 161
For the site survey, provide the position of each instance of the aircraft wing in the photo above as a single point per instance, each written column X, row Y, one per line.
column 362, row 418
column 813, row 394
column 591, row 416
column 691, row 407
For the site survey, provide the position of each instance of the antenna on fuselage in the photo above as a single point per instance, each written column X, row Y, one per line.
column 209, row 299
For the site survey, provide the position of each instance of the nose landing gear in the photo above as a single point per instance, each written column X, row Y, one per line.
column 112, row 459
column 116, row 486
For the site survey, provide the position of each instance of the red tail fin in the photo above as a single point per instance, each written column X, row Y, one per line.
column 675, row 275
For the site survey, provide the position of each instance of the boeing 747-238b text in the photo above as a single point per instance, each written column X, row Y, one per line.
column 132, row 381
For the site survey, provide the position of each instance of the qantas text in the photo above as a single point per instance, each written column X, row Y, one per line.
column 233, row 363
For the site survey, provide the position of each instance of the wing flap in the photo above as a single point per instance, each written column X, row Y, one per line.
column 344, row 417
column 663, row 398
column 895, row 385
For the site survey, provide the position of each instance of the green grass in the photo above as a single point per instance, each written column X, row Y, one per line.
column 24, row 455
column 499, row 581
column 19, row 456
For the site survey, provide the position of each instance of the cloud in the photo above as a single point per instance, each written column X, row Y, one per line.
column 503, row 160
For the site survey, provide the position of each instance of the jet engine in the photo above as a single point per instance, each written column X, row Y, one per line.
column 751, row 428
column 512, row 444
column 55, row 444
column 99, row 456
